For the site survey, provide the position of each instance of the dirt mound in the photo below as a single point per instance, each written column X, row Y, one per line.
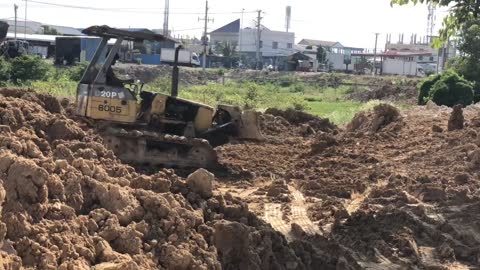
column 388, row 91
column 403, row 197
column 298, row 118
column 68, row 203
column 383, row 117
column 150, row 73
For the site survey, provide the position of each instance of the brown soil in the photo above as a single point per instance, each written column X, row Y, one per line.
column 68, row 203
column 388, row 192
column 393, row 190
column 385, row 90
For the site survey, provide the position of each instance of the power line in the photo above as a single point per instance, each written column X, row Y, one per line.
column 130, row 10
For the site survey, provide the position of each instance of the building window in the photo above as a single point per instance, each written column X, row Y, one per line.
column 289, row 45
column 420, row 58
column 274, row 45
column 431, row 58
column 261, row 44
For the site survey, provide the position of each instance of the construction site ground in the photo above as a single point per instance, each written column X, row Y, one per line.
column 390, row 190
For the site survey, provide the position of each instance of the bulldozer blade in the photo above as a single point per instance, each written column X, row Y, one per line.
column 249, row 128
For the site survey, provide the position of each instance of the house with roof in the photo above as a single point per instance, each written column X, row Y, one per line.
column 273, row 44
column 339, row 56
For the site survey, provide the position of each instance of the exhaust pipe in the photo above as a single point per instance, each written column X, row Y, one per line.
column 175, row 73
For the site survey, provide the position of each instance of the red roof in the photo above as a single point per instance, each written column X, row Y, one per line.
column 393, row 54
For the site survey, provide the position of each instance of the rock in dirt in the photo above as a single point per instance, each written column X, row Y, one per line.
column 457, row 120
column 201, row 182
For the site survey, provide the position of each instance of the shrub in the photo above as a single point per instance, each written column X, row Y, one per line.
column 425, row 88
column 287, row 81
column 470, row 69
column 252, row 95
column 5, row 68
column 29, row 68
column 76, row 72
column 298, row 88
column 451, row 90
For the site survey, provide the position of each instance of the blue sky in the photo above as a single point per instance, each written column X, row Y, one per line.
column 351, row 22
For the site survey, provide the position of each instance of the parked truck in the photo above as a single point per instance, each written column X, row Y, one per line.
column 185, row 57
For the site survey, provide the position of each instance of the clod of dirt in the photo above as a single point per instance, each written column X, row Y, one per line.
column 437, row 129
column 277, row 191
column 201, row 182
column 383, row 115
column 457, row 120
column 321, row 142
column 431, row 105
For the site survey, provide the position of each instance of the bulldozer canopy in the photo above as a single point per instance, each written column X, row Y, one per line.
column 3, row 30
column 108, row 32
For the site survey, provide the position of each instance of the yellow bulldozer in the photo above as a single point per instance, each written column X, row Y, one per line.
column 147, row 128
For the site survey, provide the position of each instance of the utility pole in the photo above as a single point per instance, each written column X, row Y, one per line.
column 16, row 9
column 205, row 38
column 375, row 54
column 259, row 39
column 166, row 16
column 25, row 32
column 241, row 37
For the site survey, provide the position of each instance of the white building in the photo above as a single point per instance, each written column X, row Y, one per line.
column 338, row 55
column 273, row 44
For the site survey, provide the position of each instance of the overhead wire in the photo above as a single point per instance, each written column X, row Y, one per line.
column 130, row 10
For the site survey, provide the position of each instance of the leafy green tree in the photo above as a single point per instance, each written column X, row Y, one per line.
column 461, row 12
column 321, row 55
column 469, row 42
column 228, row 50
column 29, row 68
column 470, row 70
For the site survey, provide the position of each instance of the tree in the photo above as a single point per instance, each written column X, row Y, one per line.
column 461, row 12
column 469, row 42
column 47, row 30
column 228, row 50
column 321, row 55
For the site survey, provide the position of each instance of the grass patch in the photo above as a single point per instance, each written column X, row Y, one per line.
column 340, row 112
column 288, row 92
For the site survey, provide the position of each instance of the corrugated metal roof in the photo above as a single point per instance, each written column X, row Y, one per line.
column 233, row 27
column 37, row 27
column 323, row 43
column 33, row 37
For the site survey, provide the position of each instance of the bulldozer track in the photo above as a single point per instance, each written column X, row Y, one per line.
column 273, row 215
column 299, row 213
column 137, row 134
column 153, row 148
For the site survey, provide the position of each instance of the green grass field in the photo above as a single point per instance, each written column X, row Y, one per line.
column 324, row 102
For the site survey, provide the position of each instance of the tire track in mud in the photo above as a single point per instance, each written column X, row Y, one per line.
column 299, row 213
column 273, row 215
